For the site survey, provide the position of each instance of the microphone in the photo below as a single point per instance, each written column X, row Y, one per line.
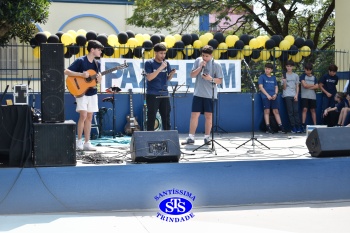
column 142, row 50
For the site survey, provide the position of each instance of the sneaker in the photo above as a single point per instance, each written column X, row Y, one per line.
column 188, row 141
column 207, row 141
column 281, row 129
column 79, row 145
column 269, row 130
column 303, row 128
column 299, row 130
column 294, row 129
column 89, row 147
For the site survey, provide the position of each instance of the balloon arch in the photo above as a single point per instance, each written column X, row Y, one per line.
column 187, row 46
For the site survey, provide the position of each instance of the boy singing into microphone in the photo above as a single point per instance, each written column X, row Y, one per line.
column 158, row 73
column 208, row 75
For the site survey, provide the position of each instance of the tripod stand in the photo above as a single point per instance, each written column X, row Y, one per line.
column 252, row 138
column 212, row 141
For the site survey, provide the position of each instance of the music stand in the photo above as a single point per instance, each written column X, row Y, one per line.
column 112, row 90
column 212, row 141
column 216, row 126
column 252, row 138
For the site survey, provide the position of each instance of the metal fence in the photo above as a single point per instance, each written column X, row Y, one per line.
column 20, row 64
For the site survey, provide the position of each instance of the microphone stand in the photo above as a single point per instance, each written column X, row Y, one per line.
column 144, row 92
column 212, row 141
column 252, row 138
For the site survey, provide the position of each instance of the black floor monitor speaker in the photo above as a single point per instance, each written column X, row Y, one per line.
column 155, row 146
column 329, row 142
column 52, row 82
column 54, row 144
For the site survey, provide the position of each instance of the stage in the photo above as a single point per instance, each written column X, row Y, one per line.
column 107, row 180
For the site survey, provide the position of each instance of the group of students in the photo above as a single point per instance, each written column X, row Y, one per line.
column 335, row 105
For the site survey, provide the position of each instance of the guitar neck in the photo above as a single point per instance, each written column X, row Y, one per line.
column 131, row 107
column 111, row 70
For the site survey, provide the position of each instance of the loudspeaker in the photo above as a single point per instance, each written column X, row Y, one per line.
column 52, row 82
column 155, row 146
column 329, row 142
column 54, row 144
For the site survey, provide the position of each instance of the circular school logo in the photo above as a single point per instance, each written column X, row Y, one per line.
column 175, row 205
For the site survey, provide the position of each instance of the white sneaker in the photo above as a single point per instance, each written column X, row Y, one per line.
column 79, row 145
column 89, row 147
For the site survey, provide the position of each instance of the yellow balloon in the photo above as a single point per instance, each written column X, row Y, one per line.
column 140, row 39
column 197, row 44
column 47, row 34
column 305, row 51
column 67, row 39
column 297, row 57
column 179, row 55
column 276, row 52
column 284, row 45
column 149, row 54
column 247, row 51
column 231, row 40
column 146, row 36
column 36, row 52
column 240, row 55
column 256, row 60
column 254, row 43
column 216, row 54
column 209, row 35
column 264, row 54
column 112, row 40
column 261, row 40
column 177, row 37
column 170, row 41
column 116, row 53
column 132, row 43
column 223, row 47
column 81, row 32
column 204, row 39
column 188, row 50
column 73, row 33
column 123, row 49
column 290, row 38
column 81, row 52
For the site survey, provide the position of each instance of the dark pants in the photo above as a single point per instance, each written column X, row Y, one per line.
column 153, row 105
column 331, row 119
column 327, row 102
column 293, row 111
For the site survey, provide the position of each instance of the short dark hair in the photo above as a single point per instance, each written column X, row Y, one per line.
column 94, row 44
column 308, row 66
column 290, row 63
column 159, row 47
column 269, row 65
column 333, row 68
column 207, row 49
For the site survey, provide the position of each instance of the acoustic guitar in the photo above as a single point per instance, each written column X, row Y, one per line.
column 77, row 86
column 131, row 124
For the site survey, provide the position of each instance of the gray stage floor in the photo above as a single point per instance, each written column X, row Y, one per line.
column 227, row 147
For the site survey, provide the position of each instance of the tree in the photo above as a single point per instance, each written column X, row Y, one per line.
column 309, row 19
column 18, row 18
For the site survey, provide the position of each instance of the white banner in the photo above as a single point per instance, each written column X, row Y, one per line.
column 132, row 78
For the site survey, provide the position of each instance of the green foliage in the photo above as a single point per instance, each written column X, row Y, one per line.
column 309, row 19
column 18, row 18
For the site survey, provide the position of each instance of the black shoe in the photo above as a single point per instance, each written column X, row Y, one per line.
column 281, row 129
column 269, row 130
column 188, row 141
column 207, row 141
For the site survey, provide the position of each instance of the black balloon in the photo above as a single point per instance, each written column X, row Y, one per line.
column 179, row 45
column 130, row 34
column 171, row 53
column 81, row 40
column 108, row 50
column 219, row 36
column 155, row 39
column 138, row 52
column 194, row 37
column 187, row 39
column 299, row 42
column 130, row 54
column 232, row 52
column 123, row 37
column 162, row 37
column 73, row 49
column 270, row 43
column 239, row 44
column 213, row 43
column 33, row 43
column 309, row 43
column 256, row 53
column 59, row 34
column 41, row 37
column 224, row 55
column 147, row 45
column 68, row 54
column 91, row 35
column 277, row 39
column 53, row 39
column 102, row 38
column 245, row 38
column 293, row 50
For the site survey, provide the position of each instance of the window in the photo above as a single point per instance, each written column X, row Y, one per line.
column 8, row 58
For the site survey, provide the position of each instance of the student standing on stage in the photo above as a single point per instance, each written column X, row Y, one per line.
column 269, row 91
column 290, row 82
column 88, row 103
column 308, row 94
column 328, row 86
column 158, row 73
column 208, row 75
